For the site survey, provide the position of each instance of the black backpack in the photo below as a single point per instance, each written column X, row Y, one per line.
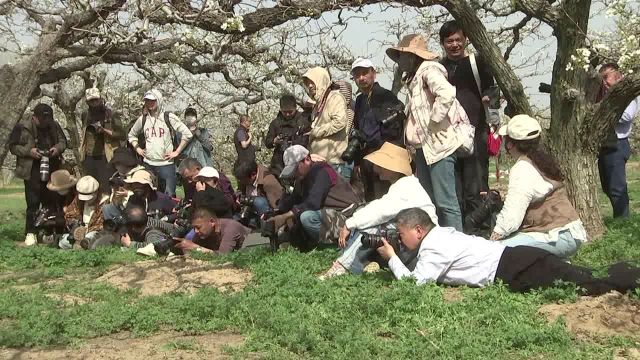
column 142, row 142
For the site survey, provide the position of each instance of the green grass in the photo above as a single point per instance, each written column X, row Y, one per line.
column 286, row 313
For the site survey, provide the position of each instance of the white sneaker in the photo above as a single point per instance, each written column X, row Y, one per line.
column 148, row 250
column 336, row 270
column 30, row 240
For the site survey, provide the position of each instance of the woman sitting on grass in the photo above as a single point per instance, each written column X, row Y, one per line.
column 392, row 163
column 537, row 211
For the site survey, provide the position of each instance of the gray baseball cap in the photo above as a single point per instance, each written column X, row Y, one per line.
column 292, row 156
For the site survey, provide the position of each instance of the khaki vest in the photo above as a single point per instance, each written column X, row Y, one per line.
column 552, row 212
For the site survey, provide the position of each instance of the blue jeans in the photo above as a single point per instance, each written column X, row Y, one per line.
column 354, row 257
column 439, row 181
column 167, row 178
column 613, row 176
column 261, row 205
column 344, row 170
column 311, row 221
column 564, row 247
column 110, row 211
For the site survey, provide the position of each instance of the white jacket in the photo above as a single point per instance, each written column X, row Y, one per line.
column 403, row 194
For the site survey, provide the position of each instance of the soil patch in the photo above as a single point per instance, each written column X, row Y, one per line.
column 452, row 295
column 609, row 314
column 68, row 299
column 176, row 274
column 633, row 354
column 122, row 346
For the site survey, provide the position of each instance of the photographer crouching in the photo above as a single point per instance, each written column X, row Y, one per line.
column 261, row 193
column 38, row 144
column 379, row 118
column 363, row 232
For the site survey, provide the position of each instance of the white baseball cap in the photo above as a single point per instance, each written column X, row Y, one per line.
column 87, row 188
column 362, row 63
column 209, row 172
column 149, row 95
column 292, row 156
column 521, row 127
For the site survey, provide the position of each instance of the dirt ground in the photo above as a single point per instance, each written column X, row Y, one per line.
column 609, row 314
column 177, row 274
column 122, row 346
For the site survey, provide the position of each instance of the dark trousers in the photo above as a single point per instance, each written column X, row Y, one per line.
column 613, row 176
column 374, row 188
column 36, row 194
column 472, row 175
column 524, row 268
column 99, row 168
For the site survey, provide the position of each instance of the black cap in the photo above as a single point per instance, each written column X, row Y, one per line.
column 42, row 110
column 123, row 156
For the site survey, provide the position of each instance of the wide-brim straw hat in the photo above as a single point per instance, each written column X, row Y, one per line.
column 141, row 177
column 415, row 44
column 392, row 157
column 61, row 180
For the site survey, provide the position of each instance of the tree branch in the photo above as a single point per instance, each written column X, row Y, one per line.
column 539, row 9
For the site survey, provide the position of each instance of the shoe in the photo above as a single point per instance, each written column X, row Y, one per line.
column 30, row 239
column 148, row 250
column 336, row 270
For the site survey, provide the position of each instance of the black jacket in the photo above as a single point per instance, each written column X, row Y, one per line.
column 370, row 111
column 292, row 131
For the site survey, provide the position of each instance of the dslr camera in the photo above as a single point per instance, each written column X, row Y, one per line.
column 357, row 142
column 487, row 211
column 374, row 241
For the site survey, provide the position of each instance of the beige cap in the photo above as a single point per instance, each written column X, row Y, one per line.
column 141, row 177
column 521, row 127
column 92, row 94
column 87, row 188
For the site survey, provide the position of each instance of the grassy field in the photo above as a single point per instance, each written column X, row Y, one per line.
column 50, row 299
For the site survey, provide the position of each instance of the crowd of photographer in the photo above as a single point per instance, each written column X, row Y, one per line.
column 401, row 184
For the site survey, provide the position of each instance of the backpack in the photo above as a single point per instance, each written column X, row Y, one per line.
column 142, row 142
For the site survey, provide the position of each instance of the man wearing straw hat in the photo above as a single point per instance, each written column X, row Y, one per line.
column 391, row 163
column 428, row 128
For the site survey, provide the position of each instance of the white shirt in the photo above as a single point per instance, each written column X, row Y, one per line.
column 87, row 212
column 405, row 193
column 526, row 186
column 451, row 257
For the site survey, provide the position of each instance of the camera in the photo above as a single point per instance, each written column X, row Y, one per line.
column 116, row 224
column 246, row 204
column 490, row 206
column 95, row 126
column 374, row 241
column 268, row 230
column 357, row 142
column 395, row 113
column 44, row 165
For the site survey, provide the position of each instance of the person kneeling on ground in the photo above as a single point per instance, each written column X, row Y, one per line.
column 537, row 211
column 213, row 235
column 391, row 163
column 262, row 186
column 450, row 257
column 208, row 193
column 83, row 217
column 317, row 186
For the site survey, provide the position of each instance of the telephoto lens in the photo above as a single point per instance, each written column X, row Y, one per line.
column 44, row 169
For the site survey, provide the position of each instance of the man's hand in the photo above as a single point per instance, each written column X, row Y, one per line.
column 280, row 220
column 187, row 245
column 486, row 100
column 99, row 128
column 344, row 236
column 200, row 186
column 495, row 236
column 386, row 250
column 35, row 154
column 141, row 152
column 278, row 140
column 53, row 152
column 125, row 240
column 172, row 155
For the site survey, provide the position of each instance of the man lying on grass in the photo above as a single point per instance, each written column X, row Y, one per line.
column 453, row 258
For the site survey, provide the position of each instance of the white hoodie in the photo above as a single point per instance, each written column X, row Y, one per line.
column 157, row 134
column 405, row 193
